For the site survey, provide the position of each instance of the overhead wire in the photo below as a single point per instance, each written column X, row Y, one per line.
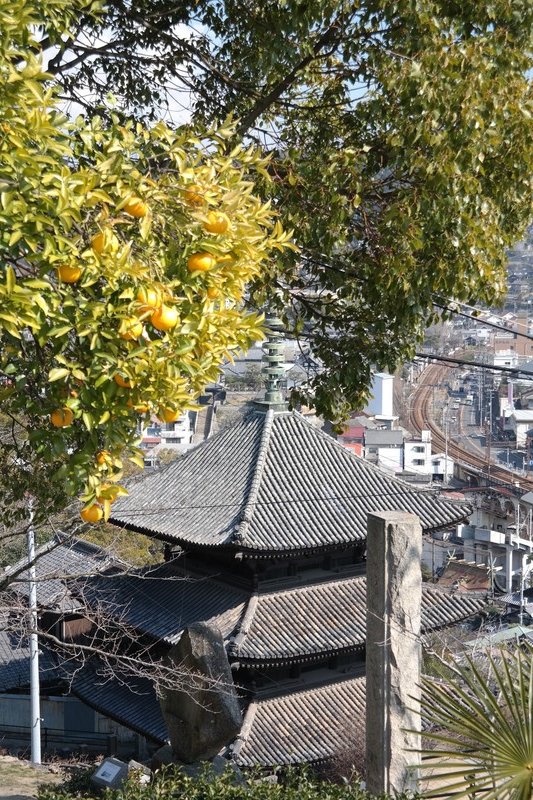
column 483, row 321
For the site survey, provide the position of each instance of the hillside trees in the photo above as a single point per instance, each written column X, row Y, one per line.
column 125, row 253
column 401, row 140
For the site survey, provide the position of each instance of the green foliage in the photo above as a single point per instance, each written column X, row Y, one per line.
column 481, row 726
column 402, row 148
column 294, row 784
column 99, row 222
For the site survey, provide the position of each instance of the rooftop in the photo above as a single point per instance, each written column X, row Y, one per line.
column 272, row 483
column 297, row 623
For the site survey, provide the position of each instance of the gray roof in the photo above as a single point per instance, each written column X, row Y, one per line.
column 131, row 701
column 326, row 617
column 384, row 438
column 295, row 623
column 272, row 483
column 57, row 560
column 15, row 662
column 307, row 725
column 161, row 602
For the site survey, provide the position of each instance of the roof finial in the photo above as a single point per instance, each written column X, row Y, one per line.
column 273, row 364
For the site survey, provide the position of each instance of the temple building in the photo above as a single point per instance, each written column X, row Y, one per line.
column 264, row 527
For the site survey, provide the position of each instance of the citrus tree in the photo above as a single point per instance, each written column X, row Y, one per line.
column 402, row 142
column 125, row 253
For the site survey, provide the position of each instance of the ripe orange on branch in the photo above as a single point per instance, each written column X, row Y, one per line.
column 165, row 318
column 168, row 414
column 150, row 299
column 216, row 222
column 61, row 417
column 201, row 262
column 193, row 195
column 135, row 207
column 92, row 514
column 102, row 457
column 130, row 328
column 104, row 240
column 121, row 381
column 69, row 273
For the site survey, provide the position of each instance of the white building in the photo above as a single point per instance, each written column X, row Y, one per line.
column 382, row 402
column 175, row 435
column 520, row 422
column 390, row 450
column 417, row 454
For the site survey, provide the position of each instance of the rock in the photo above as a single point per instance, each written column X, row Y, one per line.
column 205, row 716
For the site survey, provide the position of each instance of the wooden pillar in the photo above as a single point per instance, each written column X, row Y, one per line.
column 394, row 594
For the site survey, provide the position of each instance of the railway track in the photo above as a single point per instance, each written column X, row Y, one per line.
column 421, row 418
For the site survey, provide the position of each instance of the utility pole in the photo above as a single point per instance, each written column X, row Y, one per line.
column 35, row 705
column 446, row 434
column 527, row 566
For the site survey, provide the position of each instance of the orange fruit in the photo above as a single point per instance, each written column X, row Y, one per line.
column 201, row 262
column 130, row 328
column 104, row 240
column 217, row 222
column 61, row 417
column 102, row 456
column 69, row 273
column 212, row 293
column 165, row 318
column 124, row 383
column 135, row 207
column 168, row 414
column 193, row 195
column 92, row 514
column 149, row 298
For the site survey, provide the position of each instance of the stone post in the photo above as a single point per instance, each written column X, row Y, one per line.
column 394, row 595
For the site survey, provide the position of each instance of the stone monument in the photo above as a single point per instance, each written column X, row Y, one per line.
column 204, row 716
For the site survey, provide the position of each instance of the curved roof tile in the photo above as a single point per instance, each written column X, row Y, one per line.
column 272, row 483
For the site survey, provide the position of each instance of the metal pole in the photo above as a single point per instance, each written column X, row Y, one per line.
column 34, row 647
column 522, row 581
column 446, row 432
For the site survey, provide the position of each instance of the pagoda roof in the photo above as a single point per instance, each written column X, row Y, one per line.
column 161, row 602
column 272, row 483
column 328, row 617
column 296, row 623
column 308, row 725
column 303, row 724
column 132, row 702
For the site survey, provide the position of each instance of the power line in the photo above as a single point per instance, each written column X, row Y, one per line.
column 460, row 362
column 435, row 492
column 482, row 321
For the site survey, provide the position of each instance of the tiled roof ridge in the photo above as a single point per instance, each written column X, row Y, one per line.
column 243, row 628
column 246, row 727
column 239, row 537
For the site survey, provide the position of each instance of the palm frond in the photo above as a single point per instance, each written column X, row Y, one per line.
column 482, row 729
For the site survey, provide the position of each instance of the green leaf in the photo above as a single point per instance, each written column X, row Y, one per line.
column 58, row 373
